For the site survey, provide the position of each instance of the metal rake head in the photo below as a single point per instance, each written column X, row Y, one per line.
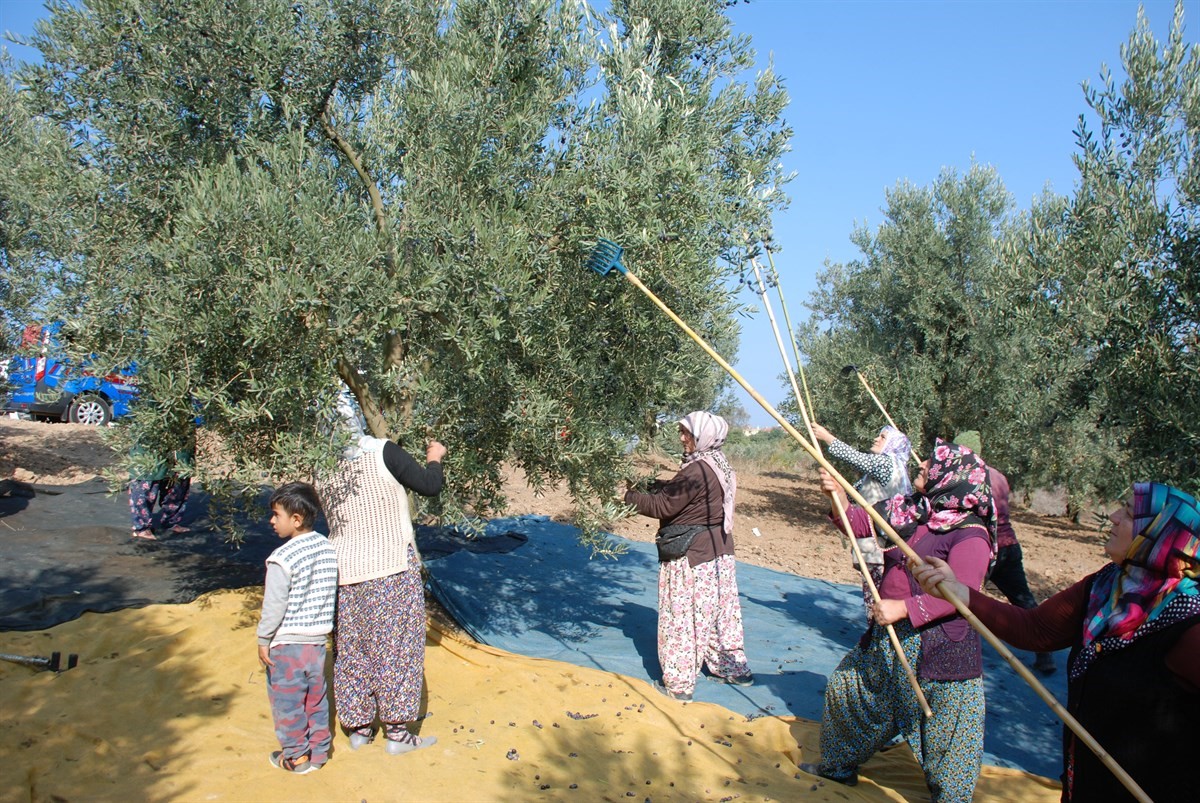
column 606, row 257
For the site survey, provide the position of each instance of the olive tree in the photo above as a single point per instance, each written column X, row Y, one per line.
column 911, row 314
column 1106, row 283
column 1068, row 335
column 280, row 197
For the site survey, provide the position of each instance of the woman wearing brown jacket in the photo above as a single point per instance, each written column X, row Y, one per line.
column 699, row 616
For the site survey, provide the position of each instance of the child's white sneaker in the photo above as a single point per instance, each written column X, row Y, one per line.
column 298, row 766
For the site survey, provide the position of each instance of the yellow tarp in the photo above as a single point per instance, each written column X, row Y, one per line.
column 168, row 703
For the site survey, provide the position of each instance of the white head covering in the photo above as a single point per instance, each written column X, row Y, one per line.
column 709, row 431
column 896, row 446
column 350, row 421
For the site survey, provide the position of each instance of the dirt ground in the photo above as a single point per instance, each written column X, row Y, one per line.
column 784, row 508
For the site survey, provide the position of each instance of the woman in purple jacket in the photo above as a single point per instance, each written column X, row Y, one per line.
column 868, row 699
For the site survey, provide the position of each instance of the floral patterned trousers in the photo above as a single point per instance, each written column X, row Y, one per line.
column 170, row 494
column 868, row 700
column 699, row 622
column 379, row 665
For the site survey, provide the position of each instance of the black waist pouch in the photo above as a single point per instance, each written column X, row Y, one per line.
column 674, row 539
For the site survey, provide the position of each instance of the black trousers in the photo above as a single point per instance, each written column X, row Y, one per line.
column 1008, row 575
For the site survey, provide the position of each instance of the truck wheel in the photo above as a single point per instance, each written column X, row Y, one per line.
column 89, row 409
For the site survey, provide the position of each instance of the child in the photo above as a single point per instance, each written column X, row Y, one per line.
column 297, row 615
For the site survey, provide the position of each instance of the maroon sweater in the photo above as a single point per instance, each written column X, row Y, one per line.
column 1005, row 534
column 950, row 649
column 1058, row 623
column 1139, row 701
column 693, row 496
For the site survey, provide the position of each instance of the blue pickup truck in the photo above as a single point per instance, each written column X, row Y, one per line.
column 44, row 384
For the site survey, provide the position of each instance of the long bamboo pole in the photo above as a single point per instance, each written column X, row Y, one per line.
column 837, row 502
column 887, row 529
column 916, row 458
column 787, row 321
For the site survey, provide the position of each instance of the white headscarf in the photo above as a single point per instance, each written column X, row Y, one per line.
column 709, row 431
column 350, row 420
column 896, row 446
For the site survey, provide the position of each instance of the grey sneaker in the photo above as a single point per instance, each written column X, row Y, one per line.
column 682, row 696
column 407, row 742
column 358, row 740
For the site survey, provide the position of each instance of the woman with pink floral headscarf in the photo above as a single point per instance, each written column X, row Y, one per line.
column 1133, row 675
column 868, row 699
column 699, row 616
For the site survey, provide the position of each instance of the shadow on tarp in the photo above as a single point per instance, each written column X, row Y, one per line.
column 67, row 550
column 547, row 597
column 16, row 496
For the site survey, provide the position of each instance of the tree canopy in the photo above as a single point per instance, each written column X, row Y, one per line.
column 912, row 316
column 1070, row 336
column 1108, row 280
column 262, row 199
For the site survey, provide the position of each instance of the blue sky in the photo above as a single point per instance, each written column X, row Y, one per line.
column 884, row 91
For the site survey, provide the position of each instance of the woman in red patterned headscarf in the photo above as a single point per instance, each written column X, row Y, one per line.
column 1134, row 629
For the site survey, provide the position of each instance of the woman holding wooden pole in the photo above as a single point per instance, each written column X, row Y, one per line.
column 1133, row 676
column 884, row 470
column 870, row 576
column 868, row 699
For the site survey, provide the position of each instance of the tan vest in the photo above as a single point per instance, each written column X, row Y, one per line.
column 369, row 522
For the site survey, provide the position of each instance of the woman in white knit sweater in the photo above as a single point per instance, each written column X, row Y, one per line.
column 380, row 659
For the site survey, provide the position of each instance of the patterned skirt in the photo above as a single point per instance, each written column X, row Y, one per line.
column 699, row 622
column 379, row 665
